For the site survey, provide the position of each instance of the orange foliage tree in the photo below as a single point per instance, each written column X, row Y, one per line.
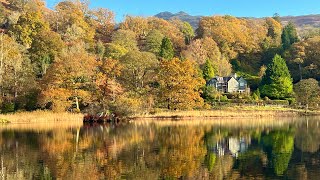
column 179, row 84
column 69, row 80
column 108, row 87
column 233, row 35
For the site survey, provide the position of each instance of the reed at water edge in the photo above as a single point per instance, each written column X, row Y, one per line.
column 40, row 117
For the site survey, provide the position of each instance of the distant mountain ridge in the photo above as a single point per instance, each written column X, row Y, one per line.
column 312, row 21
column 193, row 20
column 304, row 20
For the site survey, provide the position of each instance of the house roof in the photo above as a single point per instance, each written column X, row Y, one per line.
column 225, row 79
column 221, row 79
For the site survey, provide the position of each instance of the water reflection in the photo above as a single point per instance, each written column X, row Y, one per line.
column 192, row 149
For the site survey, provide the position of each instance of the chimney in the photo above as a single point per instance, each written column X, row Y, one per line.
column 234, row 75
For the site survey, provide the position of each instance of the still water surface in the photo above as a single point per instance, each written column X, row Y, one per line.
column 150, row 149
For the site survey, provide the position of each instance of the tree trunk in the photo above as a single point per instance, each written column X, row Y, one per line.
column 1, row 60
column 113, row 90
column 15, row 84
column 77, row 103
column 300, row 71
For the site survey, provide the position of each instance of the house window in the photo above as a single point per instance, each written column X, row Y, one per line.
column 241, row 84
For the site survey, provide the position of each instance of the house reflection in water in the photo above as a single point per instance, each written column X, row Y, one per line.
column 232, row 145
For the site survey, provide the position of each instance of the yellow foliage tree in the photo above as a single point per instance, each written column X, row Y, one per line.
column 204, row 49
column 179, row 84
column 233, row 35
column 108, row 87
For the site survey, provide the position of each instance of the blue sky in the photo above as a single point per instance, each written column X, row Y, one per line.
column 242, row 8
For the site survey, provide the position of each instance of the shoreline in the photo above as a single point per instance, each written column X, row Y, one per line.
column 39, row 117
column 208, row 114
column 231, row 113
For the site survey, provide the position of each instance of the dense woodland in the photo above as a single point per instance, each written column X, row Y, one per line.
column 74, row 58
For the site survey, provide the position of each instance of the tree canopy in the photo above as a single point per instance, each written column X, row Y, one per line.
column 75, row 57
column 166, row 49
column 307, row 92
column 277, row 82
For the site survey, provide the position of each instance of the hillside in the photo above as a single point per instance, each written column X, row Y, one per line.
column 301, row 21
column 305, row 21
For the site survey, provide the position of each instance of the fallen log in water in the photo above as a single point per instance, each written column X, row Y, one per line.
column 100, row 118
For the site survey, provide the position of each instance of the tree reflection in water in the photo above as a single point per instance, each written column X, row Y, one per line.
column 213, row 149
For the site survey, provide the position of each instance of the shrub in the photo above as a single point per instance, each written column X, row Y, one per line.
column 291, row 101
column 255, row 96
column 240, row 101
column 126, row 106
column 7, row 107
column 224, row 98
column 277, row 102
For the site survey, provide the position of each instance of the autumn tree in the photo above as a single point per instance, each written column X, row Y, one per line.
column 170, row 30
column 27, row 28
column 115, row 51
column 16, row 75
column 103, row 22
column 154, row 42
column 44, row 49
column 277, row 82
column 303, row 59
column 274, row 30
column 307, row 92
column 166, row 49
column 186, row 29
column 179, row 84
column 26, row 5
column 188, row 32
column 125, row 39
column 71, row 22
column 138, row 71
column 208, row 71
column 233, row 35
column 138, row 25
column 100, row 50
column 107, row 84
column 298, row 55
column 3, row 14
column 201, row 50
column 311, row 62
column 69, row 81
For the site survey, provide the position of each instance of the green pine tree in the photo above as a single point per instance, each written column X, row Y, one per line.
column 289, row 36
column 277, row 82
column 208, row 70
column 166, row 51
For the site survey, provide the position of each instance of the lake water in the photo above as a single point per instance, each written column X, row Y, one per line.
column 149, row 149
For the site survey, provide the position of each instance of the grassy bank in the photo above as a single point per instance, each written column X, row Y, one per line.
column 231, row 112
column 222, row 112
column 39, row 116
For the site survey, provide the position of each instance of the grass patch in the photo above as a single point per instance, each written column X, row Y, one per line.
column 4, row 121
column 40, row 116
column 231, row 112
